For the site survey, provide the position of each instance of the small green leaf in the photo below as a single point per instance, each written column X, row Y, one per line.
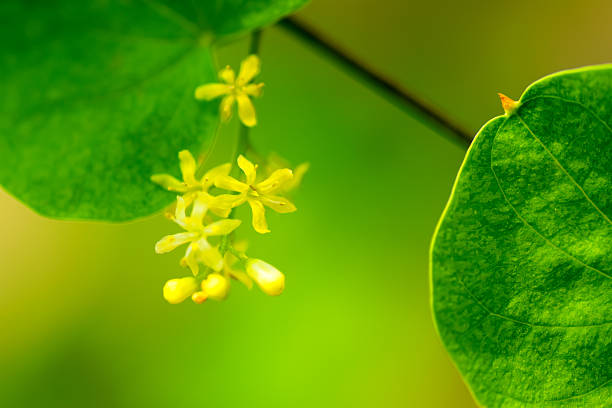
column 98, row 95
column 522, row 257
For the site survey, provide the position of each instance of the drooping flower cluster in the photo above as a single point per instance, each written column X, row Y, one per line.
column 213, row 255
column 193, row 213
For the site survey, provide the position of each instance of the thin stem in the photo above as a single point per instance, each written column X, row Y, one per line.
column 255, row 42
column 369, row 74
column 241, row 256
column 243, row 143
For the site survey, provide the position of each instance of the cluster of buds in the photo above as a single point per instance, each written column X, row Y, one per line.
column 216, row 286
column 212, row 254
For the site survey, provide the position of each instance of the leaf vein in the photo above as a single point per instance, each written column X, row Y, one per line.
column 571, row 397
column 524, row 221
column 564, row 170
column 523, row 322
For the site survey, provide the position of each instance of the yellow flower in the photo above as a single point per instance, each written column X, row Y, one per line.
column 256, row 194
column 177, row 290
column 269, row 279
column 216, row 286
column 199, row 250
column 275, row 162
column 191, row 186
column 235, row 89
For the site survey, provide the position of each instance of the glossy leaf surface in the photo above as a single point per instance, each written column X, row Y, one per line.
column 522, row 257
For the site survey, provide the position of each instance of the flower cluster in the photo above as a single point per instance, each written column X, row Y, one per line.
column 194, row 212
column 204, row 210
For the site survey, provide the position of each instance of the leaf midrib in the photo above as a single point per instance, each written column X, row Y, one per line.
column 524, row 322
column 522, row 218
column 557, row 160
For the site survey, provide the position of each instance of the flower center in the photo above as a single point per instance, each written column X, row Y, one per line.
column 252, row 191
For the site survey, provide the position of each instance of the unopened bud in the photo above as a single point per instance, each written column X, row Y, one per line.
column 216, row 286
column 267, row 277
column 199, row 297
column 177, row 290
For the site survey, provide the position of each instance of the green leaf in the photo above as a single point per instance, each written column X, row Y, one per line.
column 98, row 96
column 230, row 17
column 522, row 257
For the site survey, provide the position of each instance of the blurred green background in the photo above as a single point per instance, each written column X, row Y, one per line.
column 83, row 320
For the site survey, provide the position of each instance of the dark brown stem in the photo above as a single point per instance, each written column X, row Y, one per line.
column 370, row 75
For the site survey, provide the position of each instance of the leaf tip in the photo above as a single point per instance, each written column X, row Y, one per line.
column 508, row 104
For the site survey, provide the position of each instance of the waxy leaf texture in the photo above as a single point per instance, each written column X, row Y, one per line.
column 521, row 261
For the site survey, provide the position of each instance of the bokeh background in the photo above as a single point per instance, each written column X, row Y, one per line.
column 82, row 318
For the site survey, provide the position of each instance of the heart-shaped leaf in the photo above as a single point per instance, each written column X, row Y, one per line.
column 98, row 95
column 522, row 257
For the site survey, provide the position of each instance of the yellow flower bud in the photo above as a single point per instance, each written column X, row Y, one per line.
column 199, row 297
column 216, row 286
column 269, row 279
column 177, row 290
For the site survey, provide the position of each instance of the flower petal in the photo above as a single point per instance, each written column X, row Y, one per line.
column 212, row 91
column 209, row 200
column 209, row 178
column 278, row 204
column 188, row 166
column 226, row 107
column 259, row 216
column 169, row 242
column 249, row 68
column 248, row 169
column 221, row 227
column 227, row 75
column 221, row 212
column 253, row 89
column 275, row 182
column 199, row 209
column 179, row 212
column 228, row 201
column 241, row 277
column 246, row 110
column 231, row 184
column 210, row 255
column 189, row 197
column 205, row 197
column 169, row 183
column 190, row 259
